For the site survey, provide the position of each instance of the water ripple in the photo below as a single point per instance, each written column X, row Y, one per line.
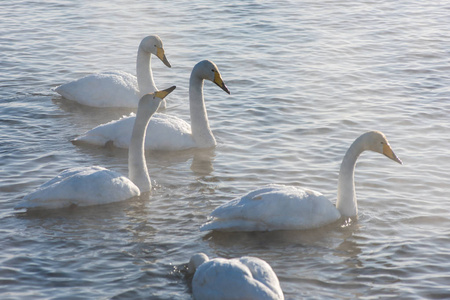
column 304, row 84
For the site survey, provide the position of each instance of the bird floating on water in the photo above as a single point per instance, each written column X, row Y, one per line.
column 167, row 132
column 85, row 186
column 238, row 278
column 280, row 207
column 117, row 88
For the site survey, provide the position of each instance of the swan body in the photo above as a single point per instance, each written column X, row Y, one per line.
column 81, row 187
column 118, row 89
column 279, row 207
column 84, row 186
column 274, row 207
column 167, row 132
column 238, row 278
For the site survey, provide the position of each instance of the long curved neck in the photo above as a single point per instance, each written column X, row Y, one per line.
column 201, row 132
column 137, row 165
column 346, row 199
column 144, row 73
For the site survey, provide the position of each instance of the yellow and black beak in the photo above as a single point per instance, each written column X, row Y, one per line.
column 160, row 54
column 218, row 80
column 163, row 94
column 387, row 150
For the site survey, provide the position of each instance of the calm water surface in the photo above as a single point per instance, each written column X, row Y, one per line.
column 306, row 79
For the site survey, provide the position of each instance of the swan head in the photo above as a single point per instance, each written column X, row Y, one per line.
column 206, row 69
column 152, row 101
column 153, row 44
column 195, row 261
column 377, row 141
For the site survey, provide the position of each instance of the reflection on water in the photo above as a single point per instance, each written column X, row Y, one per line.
column 202, row 163
column 306, row 82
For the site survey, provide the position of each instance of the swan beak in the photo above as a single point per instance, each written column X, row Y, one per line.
column 387, row 150
column 162, row 94
column 218, row 80
column 160, row 54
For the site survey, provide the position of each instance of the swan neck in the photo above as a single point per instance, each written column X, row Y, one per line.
column 201, row 132
column 346, row 199
column 144, row 73
column 137, row 165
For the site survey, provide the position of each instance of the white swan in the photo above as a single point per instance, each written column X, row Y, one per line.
column 167, row 132
column 279, row 207
column 118, row 89
column 84, row 186
column 247, row 277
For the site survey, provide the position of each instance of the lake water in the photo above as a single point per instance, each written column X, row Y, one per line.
column 306, row 78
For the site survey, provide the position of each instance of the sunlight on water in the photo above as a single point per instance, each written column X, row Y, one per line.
column 306, row 79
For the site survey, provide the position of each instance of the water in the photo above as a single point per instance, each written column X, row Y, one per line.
column 306, row 78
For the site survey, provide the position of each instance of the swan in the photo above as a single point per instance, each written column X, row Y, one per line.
column 279, row 207
column 238, row 278
column 168, row 132
column 117, row 88
column 84, row 186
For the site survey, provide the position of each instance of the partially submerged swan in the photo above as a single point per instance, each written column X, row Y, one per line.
column 279, row 207
column 247, row 277
column 167, row 132
column 86, row 186
column 118, row 89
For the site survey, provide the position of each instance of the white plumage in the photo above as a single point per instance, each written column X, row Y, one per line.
column 84, row 186
column 166, row 132
column 81, row 187
column 275, row 207
column 247, row 277
column 279, row 207
column 117, row 88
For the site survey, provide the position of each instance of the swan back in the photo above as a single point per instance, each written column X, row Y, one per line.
column 274, row 207
column 238, row 278
column 81, row 187
column 107, row 89
column 164, row 132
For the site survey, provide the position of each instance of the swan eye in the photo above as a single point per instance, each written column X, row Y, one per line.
column 213, row 70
